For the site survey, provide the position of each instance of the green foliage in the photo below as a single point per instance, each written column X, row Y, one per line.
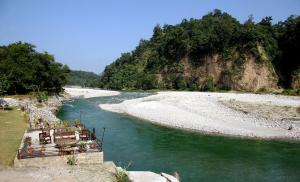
column 192, row 83
column 287, row 61
column 208, row 85
column 83, row 79
column 293, row 92
column 22, row 69
column 72, row 160
column 122, row 176
column 82, row 146
column 41, row 96
column 157, row 62
column 4, row 84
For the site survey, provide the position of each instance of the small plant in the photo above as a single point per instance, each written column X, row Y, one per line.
column 82, row 147
column 122, row 174
column 72, row 161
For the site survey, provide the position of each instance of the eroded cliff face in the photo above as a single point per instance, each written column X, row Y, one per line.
column 247, row 74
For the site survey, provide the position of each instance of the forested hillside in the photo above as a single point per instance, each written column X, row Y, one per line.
column 214, row 52
column 23, row 69
column 83, row 78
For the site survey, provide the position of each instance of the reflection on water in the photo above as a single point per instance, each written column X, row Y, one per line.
column 196, row 157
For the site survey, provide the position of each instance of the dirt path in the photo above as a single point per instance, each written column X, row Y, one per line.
column 91, row 173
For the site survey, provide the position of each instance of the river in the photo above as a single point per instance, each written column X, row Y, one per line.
column 196, row 157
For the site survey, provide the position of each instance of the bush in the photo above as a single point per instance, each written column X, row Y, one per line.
column 122, row 176
column 8, row 108
column 208, row 84
column 41, row 96
column 122, row 173
column 82, row 146
column 293, row 92
column 72, row 160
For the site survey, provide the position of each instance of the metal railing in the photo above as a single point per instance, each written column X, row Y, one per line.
column 48, row 151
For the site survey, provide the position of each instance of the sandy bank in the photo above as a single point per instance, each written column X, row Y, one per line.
column 206, row 112
column 88, row 93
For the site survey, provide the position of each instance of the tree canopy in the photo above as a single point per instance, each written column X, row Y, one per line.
column 83, row 78
column 215, row 33
column 287, row 61
column 23, row 69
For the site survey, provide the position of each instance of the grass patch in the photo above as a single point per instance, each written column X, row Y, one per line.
column 12, row 127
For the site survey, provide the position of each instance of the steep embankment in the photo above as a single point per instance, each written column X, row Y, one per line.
column 214, row 52
column 250, row 75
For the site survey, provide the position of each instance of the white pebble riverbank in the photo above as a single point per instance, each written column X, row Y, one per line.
column 202, row 111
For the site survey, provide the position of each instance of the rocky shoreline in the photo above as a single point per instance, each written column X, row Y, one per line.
column 39, row 112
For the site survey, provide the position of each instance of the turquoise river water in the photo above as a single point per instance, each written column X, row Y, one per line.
column 196, row 157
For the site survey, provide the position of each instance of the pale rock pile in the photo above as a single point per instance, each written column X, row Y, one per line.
column 44, row 111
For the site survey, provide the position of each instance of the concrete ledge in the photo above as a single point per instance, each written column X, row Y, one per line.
column 148, row 176
column 82, row 158
column 145, row 176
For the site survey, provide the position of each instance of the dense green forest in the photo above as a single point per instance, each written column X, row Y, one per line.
column 171, row 58
column 157, row 63
column 83, row 78
column 23, row 70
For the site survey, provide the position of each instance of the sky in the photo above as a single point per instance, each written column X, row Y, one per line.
column 88, row 35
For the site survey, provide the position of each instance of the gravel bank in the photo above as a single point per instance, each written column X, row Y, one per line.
column 89, row 93
column 205, row 112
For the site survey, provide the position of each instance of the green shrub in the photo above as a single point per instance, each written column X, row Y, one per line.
column 122, row 176
column 41, row 96
column 293, row 92
column 82, row 146
column 8, row 108
column 72, row 160
column 208, row 85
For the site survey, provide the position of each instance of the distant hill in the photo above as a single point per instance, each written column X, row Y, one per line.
column 211, row 53
column 83, row 78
